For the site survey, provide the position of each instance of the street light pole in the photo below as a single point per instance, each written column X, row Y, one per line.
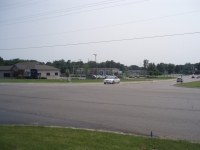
column 79, row 68
column 96, row 64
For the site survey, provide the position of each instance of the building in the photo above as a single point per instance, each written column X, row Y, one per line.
column 5, row 71
column 100, row 71
column 29, row 69
column 137, row 72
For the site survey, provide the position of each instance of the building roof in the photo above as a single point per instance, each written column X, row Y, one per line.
column 29, row 65
column 105, row 68
column 5, row 68
column 35, row 65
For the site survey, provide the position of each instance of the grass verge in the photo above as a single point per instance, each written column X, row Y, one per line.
column 76, row 80
column 50, row 138
column 194, row 84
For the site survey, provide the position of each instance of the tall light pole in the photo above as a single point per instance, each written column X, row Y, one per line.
column 79, row 68
column 96, row 64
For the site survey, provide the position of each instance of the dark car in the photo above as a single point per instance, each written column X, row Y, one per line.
column 90, row 76
column 179, row 80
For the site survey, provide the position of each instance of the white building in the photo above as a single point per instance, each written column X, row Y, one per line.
column 28, row 69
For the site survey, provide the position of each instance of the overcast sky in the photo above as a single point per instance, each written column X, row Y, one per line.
column 125, row 31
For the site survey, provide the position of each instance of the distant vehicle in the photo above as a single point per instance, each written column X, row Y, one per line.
column 198, row 77
column 193, row 76
column 179, row 79
column 90, row 76
column 111, row 80
column 101, row 77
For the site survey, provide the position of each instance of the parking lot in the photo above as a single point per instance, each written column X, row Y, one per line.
column 137, row 108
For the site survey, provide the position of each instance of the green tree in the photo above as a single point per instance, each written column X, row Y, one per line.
column 92, row 64
column 111, row 72
column 152, row 67
column 61, row 64
column 1, row 61
column 49, row 63
column 145, row 63
column 134, row 67
column 86, row 69
column 187, row 68
column 171, row 68
column 126, row 72
column 161, row 67
column 14, row 61
column 197, row 66
column 178, row 68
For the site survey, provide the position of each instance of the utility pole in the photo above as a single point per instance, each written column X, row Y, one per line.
column 96, row 64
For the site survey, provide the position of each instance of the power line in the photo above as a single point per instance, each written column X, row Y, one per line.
column 150, row 19
column 14, row 4
column 109, row 41
column 74, row 13
column 63, row 10
column 22, row 5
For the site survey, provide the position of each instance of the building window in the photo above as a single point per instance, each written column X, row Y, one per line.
column 48, row 74
column 107, row 72
column 6, row 74
column 82, row 72
column 100, row 72
column 56, row 73
column 39, row 74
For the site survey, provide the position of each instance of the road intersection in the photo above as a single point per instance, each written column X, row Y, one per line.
column 136, row 108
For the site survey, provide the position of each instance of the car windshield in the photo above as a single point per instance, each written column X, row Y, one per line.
column 110, row 77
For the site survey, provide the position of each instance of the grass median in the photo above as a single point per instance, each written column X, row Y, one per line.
column 77, row 80
column 194, row 84
column 53, row 138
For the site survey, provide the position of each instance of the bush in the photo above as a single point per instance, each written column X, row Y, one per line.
column 43, row 78
column 142, row 76
column 18, row 73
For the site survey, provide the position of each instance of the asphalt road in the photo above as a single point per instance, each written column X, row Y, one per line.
column 137, row 108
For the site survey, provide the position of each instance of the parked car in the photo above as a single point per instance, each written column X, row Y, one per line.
column 198, row 77
column 101, row 77
column 193, row 76
column 90, row 76
column 179, row 79
column 111, row 80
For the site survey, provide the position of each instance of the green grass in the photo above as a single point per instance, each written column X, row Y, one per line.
column 76, row 80
column 50, row 138
column 194, row 84
column 34, row 80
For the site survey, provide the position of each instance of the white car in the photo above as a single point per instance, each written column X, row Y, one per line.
column 111, row 80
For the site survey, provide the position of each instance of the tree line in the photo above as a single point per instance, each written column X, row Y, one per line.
column 71, row 67
column 163, row 68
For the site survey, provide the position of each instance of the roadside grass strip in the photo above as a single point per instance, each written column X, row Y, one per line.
column 194, row 84
column 57, row 138
column 76, row 80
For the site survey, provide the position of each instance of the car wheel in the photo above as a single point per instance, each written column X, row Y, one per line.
column 113, row 82
column 104, row 83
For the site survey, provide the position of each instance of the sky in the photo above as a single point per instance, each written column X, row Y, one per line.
column 125, row 31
